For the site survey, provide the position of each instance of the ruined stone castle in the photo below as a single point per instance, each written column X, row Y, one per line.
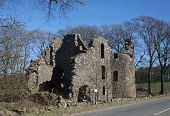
column 81, row 72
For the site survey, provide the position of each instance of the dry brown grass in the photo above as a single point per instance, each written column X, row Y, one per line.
column 13, row 89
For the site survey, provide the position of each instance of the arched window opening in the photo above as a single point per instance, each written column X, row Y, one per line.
column 103, row 72
column 104, row 90
column 115, row 76
column 102, row 50
column 116, row 55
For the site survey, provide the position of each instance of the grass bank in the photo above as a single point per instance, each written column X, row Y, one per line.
column 89, row 107
column 156, row 87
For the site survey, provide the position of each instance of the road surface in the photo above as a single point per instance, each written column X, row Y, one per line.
column 152, row 108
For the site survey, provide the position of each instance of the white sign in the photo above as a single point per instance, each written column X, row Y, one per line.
column 95, row 90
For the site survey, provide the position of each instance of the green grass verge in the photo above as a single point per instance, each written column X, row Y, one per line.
column 156, row 87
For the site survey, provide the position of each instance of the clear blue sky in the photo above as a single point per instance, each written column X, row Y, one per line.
column 95, row 12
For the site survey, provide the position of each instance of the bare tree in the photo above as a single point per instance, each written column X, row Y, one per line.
column 40, row 41
column 162, row 46
column 50, row 7
column 145, row 28
column 114, row 34
column 87, row 32
column 13, row 40
column 117, row 34
column 60, row 6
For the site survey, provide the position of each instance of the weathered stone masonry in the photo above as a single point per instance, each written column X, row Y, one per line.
column 40, row 71
column 80, row 72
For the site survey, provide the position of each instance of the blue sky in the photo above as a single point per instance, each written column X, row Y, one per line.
column 95, row 12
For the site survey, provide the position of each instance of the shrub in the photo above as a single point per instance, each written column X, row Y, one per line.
column 13, row 89
column 44, row 98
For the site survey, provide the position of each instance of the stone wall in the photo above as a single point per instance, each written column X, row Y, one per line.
column 79, row 66
column 125, row 85
column 63, row 70
column 40, row 71
column 88, row 71
column 84, row 73
column 49, row 53
column 123, row 63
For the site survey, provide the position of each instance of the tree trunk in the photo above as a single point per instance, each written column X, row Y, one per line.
column 162, row 84
column 149, row 81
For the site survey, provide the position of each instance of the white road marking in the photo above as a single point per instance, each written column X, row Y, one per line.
column 161, row 112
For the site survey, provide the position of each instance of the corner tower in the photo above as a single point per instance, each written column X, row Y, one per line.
column 124, row 72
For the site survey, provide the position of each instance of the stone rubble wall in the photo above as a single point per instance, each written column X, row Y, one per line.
column 125, row 86
column 88, row 70
column 72, row 68
column 40, row 71
column 49, row 53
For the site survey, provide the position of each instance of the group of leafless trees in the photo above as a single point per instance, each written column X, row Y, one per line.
column 142, row 75
column 156, row 37
column 18, row 46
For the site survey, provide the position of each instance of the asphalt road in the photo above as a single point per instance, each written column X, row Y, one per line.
column 152, row 108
